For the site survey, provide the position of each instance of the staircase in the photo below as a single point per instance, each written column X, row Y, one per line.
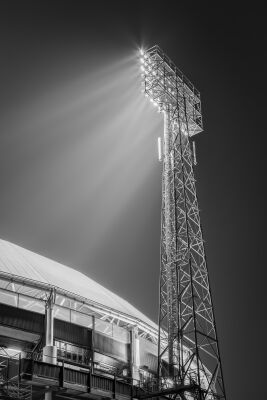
column 10, row 385
column 16, row 390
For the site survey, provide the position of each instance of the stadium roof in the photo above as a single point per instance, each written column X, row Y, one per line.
column 19, row 262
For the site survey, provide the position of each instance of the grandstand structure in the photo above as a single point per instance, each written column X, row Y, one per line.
column 62, row 335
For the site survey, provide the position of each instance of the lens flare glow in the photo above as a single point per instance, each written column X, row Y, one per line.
column 81, row 134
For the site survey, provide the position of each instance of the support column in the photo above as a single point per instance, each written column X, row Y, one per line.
column 49, row 351
column 135, row 355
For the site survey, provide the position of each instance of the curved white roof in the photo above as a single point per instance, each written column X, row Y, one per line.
column 20, row 262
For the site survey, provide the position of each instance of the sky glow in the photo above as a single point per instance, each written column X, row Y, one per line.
column 90, row 143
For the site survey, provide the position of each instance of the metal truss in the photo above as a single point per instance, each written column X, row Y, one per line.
column 188, row 344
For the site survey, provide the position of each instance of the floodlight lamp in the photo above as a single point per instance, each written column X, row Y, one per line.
column 142, row 68
column 142, row 60
column 141, row 52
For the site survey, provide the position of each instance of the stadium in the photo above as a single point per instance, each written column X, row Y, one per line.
column 62, row 335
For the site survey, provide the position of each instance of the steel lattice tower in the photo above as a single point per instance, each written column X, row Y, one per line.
column 188, row 344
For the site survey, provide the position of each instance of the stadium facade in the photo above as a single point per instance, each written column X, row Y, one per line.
column 63, row 335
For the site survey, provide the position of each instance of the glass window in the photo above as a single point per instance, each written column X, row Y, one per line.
column 61, row 313
column 72, row 353
column 62, row 301
column 31, row 304
column 81, row 319
column 103, row 326
column 8, row 298
column 121, row 334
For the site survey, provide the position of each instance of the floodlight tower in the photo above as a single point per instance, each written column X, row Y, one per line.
column 188, row 344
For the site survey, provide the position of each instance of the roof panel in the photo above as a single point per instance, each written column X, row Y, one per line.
column 16, row 260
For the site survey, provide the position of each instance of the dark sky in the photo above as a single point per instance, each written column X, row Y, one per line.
column 79, row 176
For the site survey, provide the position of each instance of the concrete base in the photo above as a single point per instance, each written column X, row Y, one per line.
column 50, row 354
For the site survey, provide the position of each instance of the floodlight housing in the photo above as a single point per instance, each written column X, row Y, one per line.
column 166, row 85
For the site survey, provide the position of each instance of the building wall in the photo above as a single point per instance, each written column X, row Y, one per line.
column 76, row 344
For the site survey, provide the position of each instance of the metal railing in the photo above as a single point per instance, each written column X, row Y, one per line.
column 10, row 378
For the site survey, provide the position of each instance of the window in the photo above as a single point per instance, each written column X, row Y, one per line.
column 72, row 353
